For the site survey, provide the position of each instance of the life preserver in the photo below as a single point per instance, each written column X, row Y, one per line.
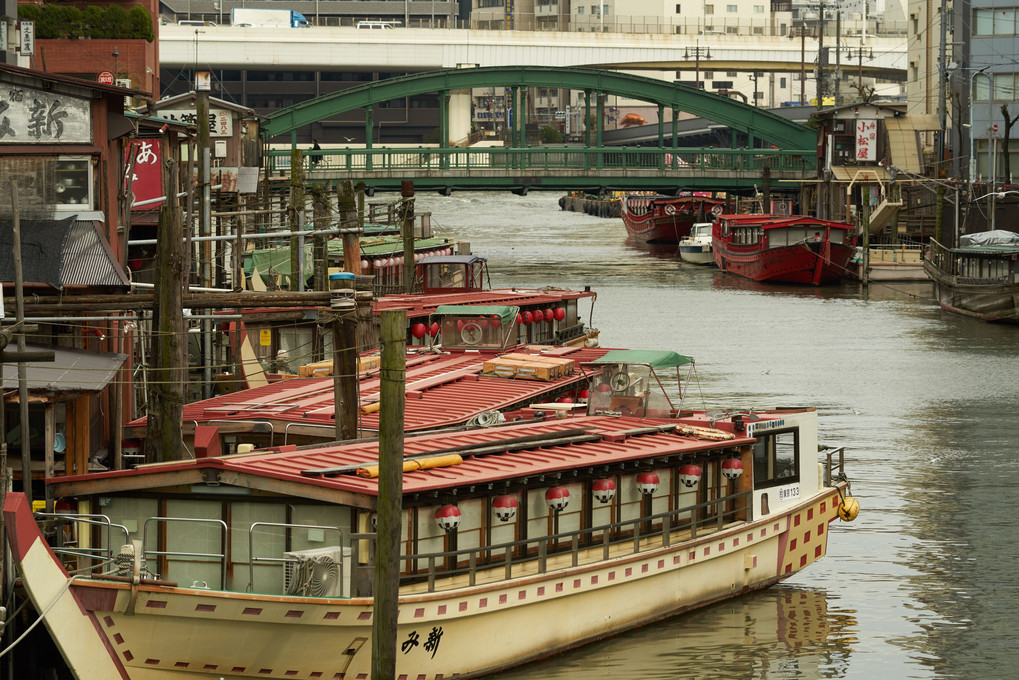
column 670, row 210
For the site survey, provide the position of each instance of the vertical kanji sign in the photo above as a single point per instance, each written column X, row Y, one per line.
column 866, row 140
column 147, row 182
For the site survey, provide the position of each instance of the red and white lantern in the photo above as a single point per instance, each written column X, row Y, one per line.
column 732, row 468
column 604, row 490
column 504, row 507
column 647, row 483
column 448, row 517
column 557, row 497
column 689, row 475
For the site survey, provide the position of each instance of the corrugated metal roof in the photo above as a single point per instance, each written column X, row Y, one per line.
column 616, row 440
column 423, row 305
column 443, row 390
column 71, row 371
column 88, row 259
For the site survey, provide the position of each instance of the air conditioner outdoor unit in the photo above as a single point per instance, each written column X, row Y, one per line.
column 318, row 572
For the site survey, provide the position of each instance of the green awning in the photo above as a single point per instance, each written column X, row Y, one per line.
column 654, row 358
column 506, row 313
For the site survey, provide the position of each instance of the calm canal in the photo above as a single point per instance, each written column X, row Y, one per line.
column 923, row 583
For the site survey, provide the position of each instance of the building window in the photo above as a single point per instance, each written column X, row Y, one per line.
column 708, row 75
column 74, row 183
column 782, row 82
column 678, row 10
column 732, row 9
column 709, row 9
column 732, row 29
column 758, row 30
column 758, row 9
column 1004, row 87
column 580, row 9
column 604, row 9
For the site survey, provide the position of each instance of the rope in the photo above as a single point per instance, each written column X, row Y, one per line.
column 847, row 270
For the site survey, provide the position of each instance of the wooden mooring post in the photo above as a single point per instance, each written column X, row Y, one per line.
column 390, row 499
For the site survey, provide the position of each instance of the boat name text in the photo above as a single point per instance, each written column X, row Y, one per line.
column 430, row 645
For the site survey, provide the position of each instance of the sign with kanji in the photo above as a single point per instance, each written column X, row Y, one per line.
column 147, row 178
column 29, row 116
column 27, row 38
column 866, row 140
column 220, row 121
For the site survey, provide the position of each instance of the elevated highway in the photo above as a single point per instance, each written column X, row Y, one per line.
column 408, row 50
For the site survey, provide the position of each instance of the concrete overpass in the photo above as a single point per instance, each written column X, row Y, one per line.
column 409, row 50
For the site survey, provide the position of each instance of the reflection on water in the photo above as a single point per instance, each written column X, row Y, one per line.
column 925, row 402
column 783, row 632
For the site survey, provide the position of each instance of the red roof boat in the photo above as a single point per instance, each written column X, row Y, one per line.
column 783, row 248
column 666, row 219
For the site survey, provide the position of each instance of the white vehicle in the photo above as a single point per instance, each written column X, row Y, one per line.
column 376, row 25
column 268, row 18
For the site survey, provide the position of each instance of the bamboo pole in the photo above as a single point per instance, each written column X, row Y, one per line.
column 387, row 542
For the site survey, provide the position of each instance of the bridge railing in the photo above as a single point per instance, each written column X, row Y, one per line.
column 548, row 159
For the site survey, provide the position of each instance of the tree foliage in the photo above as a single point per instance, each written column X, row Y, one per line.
column 62, row 22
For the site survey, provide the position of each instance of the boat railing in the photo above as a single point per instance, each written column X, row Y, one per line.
column 990, row 270
column 252, row 558
column 555, row 551
column 221, row 556
column 835, row 465
column 62, row 549
column 896, row 253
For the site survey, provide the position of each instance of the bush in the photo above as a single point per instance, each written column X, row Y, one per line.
column 550, row 135
column 63, row 22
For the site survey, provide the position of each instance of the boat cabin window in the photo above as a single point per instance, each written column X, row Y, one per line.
column 776, row 458
column 630, row 389
column 980, row 268
column 454, row 276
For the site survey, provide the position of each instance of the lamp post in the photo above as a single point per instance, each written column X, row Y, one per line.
column 972, row 98
column 116, row 71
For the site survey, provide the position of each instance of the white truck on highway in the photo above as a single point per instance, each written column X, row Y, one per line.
column 272, row 18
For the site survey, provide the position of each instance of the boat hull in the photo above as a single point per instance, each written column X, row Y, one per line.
column 154, row 632
column 697, row 253
column 786, row 264
column 989, row 300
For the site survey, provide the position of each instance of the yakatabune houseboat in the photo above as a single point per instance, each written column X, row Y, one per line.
column 656, row 219
column 783, row 248
column 475, row 375
column 979, row 279
column 559, row 531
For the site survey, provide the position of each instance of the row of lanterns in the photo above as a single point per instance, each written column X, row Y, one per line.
column 539, row 315
column 397, row 261
column 604, row 490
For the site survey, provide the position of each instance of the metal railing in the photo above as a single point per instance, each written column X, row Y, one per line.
column 91, row 520
column 221, row 556
column 595, row 543
column 552, row 158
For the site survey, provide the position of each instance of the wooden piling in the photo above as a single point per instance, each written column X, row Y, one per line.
column 390, row 498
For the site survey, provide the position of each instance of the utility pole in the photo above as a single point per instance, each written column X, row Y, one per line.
column 203, row 83
column 838, row 56
column 345, row 399
column 390, row 499
column 941, row 88
column 822, row 58
column 407, row 210
column 26, row 450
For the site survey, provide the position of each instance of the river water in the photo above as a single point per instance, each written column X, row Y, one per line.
column 923, row 583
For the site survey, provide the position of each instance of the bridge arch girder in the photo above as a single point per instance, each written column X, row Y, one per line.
column 760, row 123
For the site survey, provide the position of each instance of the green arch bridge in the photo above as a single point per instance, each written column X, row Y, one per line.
column 786, row 149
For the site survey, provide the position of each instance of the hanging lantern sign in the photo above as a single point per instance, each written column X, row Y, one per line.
column 647, row 483
column 559, row 313
column 448, row 517
column 603, row 489
column 689, row 475
column 505, row 507
column 557, row 498
column 549, row 314
column 732, row 468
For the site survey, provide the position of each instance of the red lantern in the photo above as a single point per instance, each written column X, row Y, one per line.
column 647, row 483
column 448, row 517
column 689, row 475
column 528, row 317
column 559, row 313
column 418, row 330
column 504, row 507
column 564, row 400
column 557, row 498
column 603, row 489
column 459, row 325
column 433, row 330
column 549, row 314
column 583, row 394
column 732, row 468
column 495, row 321
column 520, row 318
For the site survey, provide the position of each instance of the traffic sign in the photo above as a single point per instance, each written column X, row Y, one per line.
column 105, row 78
